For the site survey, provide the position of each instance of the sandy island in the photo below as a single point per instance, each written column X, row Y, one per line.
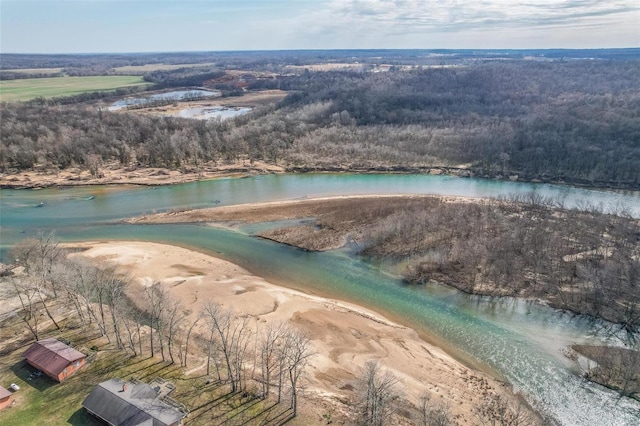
column 344, row 336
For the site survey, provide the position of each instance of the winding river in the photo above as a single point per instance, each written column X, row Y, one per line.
column 521, row 341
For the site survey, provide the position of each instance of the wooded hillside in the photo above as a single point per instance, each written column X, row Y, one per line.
column 577, row 122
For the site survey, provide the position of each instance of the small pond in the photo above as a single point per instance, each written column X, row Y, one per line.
column 204, row 113
column 176, row 95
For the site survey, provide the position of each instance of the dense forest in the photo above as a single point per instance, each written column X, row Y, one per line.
column 244, row 59
column 573, row 121
column 569, row 121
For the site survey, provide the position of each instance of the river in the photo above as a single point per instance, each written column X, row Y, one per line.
column 522, row 341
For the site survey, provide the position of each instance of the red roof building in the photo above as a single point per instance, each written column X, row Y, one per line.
column 54, row 358
column 5, row 398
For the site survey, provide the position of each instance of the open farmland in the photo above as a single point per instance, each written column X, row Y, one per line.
column 26, row 89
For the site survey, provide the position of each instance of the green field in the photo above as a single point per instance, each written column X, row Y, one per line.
column 25, row 89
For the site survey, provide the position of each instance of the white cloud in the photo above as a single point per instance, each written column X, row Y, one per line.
column 396, row 23
column 308, row 24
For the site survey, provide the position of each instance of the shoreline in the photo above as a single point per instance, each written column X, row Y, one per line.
column 202, row 214
column 322, row 225
column 115, row 175
column 156, row 176
column 344, row 335
column 429, row 338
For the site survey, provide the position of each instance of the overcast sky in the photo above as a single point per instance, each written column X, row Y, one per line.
column 65, row 26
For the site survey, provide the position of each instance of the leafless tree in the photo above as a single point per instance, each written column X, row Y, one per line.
column 114, row 284
column 29, row 314
column 495, row 411
column 73, row 292
column 156, row 301
column 185, row 351
column 433, row 413
column 241, row 338
column 232, row 336
column 175, row 316
column 377, row 393
column 210, row 343
column 295, row 351
column 628, row 369
column 39, row 257
column 132, row 321
column 269, row 355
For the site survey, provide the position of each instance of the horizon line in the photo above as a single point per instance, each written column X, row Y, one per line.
column 323, row 50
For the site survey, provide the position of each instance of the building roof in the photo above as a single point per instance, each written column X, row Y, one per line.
column 135, row 404
column 4, row 393
column 52, row 355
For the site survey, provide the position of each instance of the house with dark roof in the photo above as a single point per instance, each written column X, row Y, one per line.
column 120, row 403
column 54, row 358
column 6, row 398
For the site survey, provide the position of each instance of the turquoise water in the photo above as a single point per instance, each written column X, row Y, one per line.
column 522, row 341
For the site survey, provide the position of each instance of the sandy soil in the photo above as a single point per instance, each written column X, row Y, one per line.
column 283, row 210
column 344, row 336
column 115, row 174
column 325, row 227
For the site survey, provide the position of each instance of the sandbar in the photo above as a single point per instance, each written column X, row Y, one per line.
column 344, row 336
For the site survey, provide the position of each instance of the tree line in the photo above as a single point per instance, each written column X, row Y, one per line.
column 579, row 260
column 269, row 362
column 576, row 122
column 182, row 77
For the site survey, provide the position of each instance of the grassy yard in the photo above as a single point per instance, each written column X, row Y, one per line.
column 41, row 399
column 25, row 89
